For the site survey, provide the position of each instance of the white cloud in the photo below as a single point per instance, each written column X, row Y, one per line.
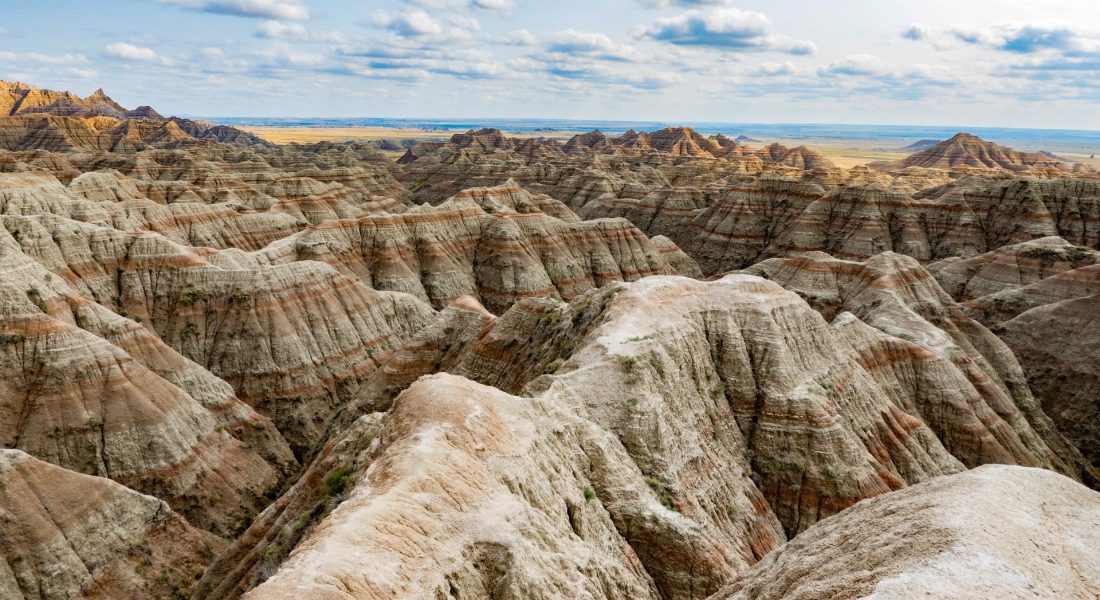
column 858, row 64
column 281, row 29
column 457, row 5
column 294, row 10
column 667, row 3
column 493, row 4
column 520, row 37
column 582, row 42
column 46, row 59
column 408, row 23
column 131, row 52
column 725, row 28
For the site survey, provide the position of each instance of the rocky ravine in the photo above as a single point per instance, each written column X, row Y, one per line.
column 492, row 370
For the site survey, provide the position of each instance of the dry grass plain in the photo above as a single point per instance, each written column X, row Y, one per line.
column 846, row 154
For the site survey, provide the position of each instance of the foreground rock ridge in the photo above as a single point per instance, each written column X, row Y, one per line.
column 654, row 365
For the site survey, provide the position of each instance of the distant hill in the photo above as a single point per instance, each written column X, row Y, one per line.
column 966, row 150
column 921, row 145
column 32, row 117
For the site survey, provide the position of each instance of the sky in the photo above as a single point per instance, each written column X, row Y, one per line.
column 993, row 63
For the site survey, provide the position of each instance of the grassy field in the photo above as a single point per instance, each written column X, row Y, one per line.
column 309, row 135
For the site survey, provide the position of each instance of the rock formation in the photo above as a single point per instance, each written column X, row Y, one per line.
column 666, row 381
column 962, row 536
column 969, row 151
column 67, row 535
column 493, row 369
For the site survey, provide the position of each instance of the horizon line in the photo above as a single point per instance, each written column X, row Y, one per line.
column 665, row 122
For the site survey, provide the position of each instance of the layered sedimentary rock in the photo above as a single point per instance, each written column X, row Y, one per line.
column 65, row 535
column 901, row 299
column 497, row 244
column 969, row 151
column 1040, row 297
column 293, row 340
column 729, row 206
column 994, row 532
column 1012, row 267
column 52, row 120
column 91, row 391
column 496, row 386
column 727, row 416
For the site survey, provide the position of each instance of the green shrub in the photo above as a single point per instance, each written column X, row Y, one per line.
column 337, row 480
column 589, row 493
column 554, row 366
column 628, row 364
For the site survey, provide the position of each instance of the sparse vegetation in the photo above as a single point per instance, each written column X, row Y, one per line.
column 12, row 338
column 659, row 489
column 628, row 364
column 241, row 299
column 35, row 296
column 554, row 365
column 191, row 296
column 337, row 480
column 589, row 493
column 657, row 364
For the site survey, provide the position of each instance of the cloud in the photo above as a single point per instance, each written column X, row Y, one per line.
column 492, row 5
column 294, row 10
column 1030, row 39
column 280, row 29
column 872, row 75
column 916, row 32
column 45, row 59
column 126, row 51
column 858, row 64
column 725, row 28
column 520, row 37
column 605, row 74
column 689, row 3
column 409, row 56
column 408, row 23
column 484, row 5
column 773, row 69
column 596, row 45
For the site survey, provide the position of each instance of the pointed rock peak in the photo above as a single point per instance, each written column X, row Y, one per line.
column 144, row 112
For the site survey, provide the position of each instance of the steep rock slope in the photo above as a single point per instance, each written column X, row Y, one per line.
column 293, row 340
column 1040, row 298
column 1058, row 344
column 1010, row 267
column 994, row 532
column 93, row 392
column 64, row 535
column 895, row 295
column 727, row 416
column 496, row 244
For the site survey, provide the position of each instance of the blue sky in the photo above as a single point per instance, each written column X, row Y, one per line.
column 935, row 62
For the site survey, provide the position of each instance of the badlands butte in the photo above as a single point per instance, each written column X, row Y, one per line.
column 658, row 365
